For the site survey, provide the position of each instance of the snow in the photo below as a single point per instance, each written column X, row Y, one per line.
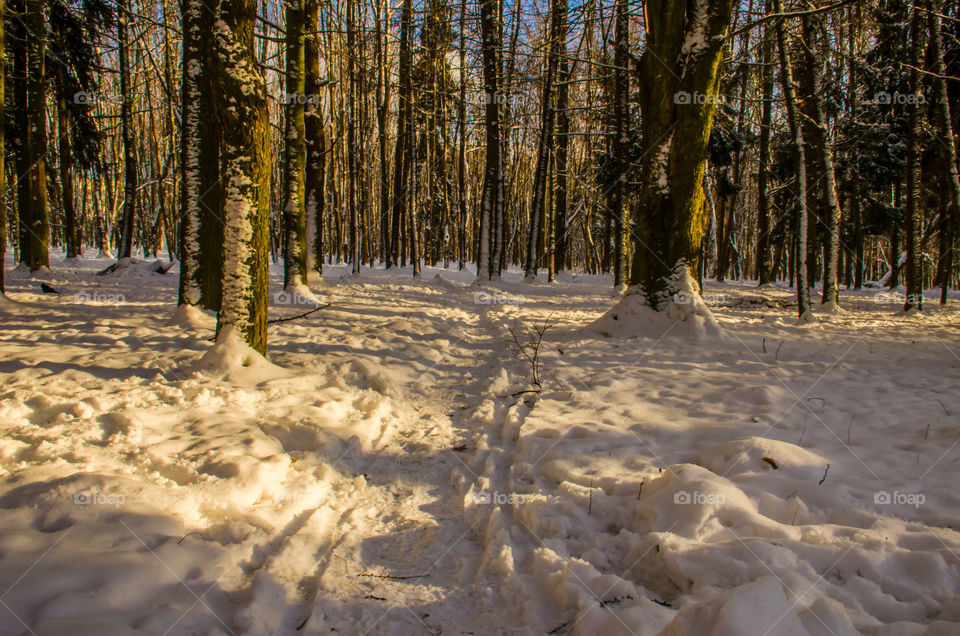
column 390, row 468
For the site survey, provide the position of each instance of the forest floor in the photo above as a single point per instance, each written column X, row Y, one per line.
column 395, row 470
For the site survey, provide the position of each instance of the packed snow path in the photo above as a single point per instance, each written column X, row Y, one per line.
column 395, row 470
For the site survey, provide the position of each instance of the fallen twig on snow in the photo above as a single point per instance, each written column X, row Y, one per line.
column 306, row 313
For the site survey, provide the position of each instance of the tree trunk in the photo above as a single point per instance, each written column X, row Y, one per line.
column 946, row 131
column 815, row 127
column 671, row 217
column 245, row 171
column 545, row 145
column 763, row 177
column 30, row 95
column 3, row 157
column 490, row 38
column 294, row 159
column 804, row 307
column 560, row 206
column 130, row 185
column 401, row 166
column 314, row 136
column 620, row 146
column 65, row 150
column 914, row 215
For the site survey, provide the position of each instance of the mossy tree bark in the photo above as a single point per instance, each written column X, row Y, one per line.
column 245, row 173
column 679, row 75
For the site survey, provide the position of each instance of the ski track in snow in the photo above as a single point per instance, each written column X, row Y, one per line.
column 395, row 473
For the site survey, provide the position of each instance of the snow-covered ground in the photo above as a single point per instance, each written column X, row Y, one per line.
column 394, row 470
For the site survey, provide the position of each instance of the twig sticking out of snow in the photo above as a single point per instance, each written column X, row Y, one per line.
column 825, row 471
column 306, row 313
column 392, row 577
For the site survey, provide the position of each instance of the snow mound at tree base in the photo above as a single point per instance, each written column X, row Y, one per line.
column 232, row 359
column 191, row 317
column 685, row 315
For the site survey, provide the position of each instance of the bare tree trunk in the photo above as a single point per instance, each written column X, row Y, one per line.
column 621, row 148
column 316, row 155
column 130, row 179
column 763, row 178
column 352, row 146
column 949, row 226
column 545, row 146
column 804, row 308
column 490, row 37
column 295, row 150
column 462, row 134
column 914, row 215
